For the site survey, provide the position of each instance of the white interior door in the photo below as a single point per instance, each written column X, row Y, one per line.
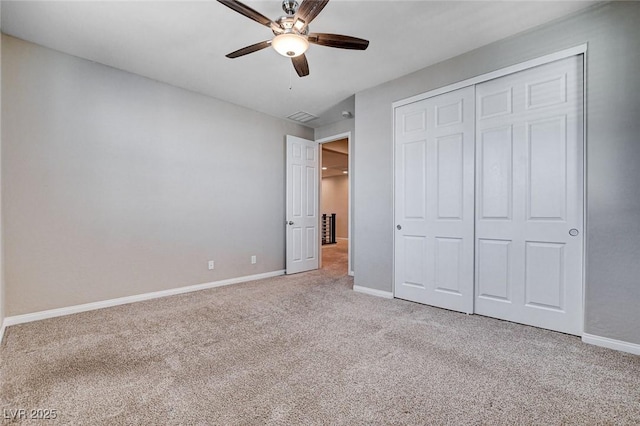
column 434, row 189
column 302, row 205
column 529, row 165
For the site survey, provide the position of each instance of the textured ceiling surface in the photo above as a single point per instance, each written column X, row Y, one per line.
column 183, row 43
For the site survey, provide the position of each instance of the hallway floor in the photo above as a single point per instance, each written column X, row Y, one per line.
column 335, row 257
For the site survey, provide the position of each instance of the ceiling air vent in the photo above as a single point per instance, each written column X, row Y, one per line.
column 302, row 117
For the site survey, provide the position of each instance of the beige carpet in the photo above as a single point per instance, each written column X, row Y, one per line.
column 334, row 258
column 306, row 349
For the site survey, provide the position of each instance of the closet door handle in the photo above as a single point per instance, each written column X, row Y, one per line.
column 399, row 227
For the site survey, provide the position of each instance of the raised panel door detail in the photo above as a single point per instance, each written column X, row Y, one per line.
column 495, row 104
column 448, row 264
column 297, row 190
column 297, row 151
column 547, row 92
column 312, row 184
column 494, row 277
column 312, row 243
column 414, row 261
column 449, row 114
column 413, row 159
column 450, row 164
column 547, row 169
column 495, row 173
column 545, row 280
column 414, row 122
column 297, row 243
column 311, row 154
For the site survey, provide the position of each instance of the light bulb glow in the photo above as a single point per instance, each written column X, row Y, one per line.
column 290, row 44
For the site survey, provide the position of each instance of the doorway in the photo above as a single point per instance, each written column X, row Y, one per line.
column 334, row 204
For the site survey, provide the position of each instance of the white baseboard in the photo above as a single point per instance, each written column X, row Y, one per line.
column 373, row 292
column 36, row 316
column 2, row 327
column 605, row 342
column 351, row 274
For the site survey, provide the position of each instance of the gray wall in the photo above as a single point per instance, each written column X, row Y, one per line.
column 115, row 185
column 612, row 298
column 337, row 128
column 2, row 297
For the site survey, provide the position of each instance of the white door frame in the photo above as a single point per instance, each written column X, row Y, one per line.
column 346, row 135
column 573, row 51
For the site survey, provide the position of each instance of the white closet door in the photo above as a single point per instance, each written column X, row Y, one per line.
column 529, row 196
column 434, row 163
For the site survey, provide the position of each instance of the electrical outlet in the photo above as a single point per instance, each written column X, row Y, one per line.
column 253, row 260
column 211, row 265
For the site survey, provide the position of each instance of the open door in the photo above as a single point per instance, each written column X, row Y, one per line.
column 302, row 205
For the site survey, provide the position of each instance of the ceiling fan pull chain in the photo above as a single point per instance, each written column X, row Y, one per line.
column 290, row 79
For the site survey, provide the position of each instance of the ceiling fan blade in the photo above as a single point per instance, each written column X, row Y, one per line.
column 301, row 65
column 309, row 9
column 339, row 41
column 250, row 13
column 249, row 49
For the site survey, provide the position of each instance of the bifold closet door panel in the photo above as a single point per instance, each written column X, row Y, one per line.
column 529, row 196
column 434, row 201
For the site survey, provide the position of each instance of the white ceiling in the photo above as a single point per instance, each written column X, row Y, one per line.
column 183, row 43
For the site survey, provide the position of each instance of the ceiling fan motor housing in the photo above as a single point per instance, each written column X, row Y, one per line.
column 287, row 24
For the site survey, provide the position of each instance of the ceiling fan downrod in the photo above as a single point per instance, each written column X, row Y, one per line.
column 290, row 7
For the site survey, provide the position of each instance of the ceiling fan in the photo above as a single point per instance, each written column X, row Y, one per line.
column 291, row 32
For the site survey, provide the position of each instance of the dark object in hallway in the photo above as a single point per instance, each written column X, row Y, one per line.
column 329, row 228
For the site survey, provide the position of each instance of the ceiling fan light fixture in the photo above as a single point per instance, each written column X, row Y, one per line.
column 290, row 44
